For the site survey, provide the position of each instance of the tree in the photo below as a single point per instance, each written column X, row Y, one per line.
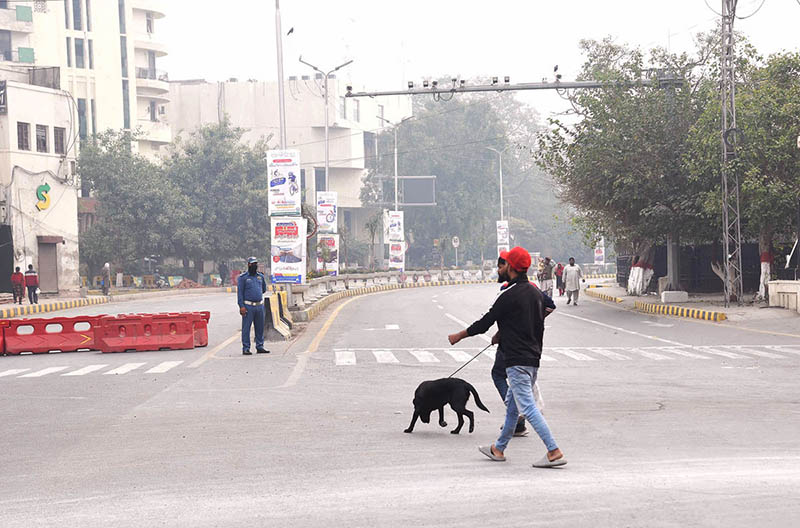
column 374, row 225
column 139, row 212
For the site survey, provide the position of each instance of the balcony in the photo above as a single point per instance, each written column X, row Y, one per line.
column 19, row 18
column 152, row 81
column 22, row 55
column 148, row 42
column 154, row 6
column 155, row 131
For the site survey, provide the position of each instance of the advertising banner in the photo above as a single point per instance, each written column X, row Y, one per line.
column 396, row 230
column 397, row 255
column 502, row 233
column 600, row 253
column 501, row 248
column 283, row 174
column 326, row 212
column 288, row 250
column 328, row 254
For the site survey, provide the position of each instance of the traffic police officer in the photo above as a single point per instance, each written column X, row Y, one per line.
column 250, row 289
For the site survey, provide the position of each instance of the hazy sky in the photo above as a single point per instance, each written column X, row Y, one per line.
column 395, row 41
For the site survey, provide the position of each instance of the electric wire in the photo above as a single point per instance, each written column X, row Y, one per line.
column 753, row 13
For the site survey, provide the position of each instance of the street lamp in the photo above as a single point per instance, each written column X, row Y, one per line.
column 500, row 156
column 395, row 125
column 325, row 95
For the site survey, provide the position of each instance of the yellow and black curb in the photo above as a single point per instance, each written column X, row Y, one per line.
column 680, row 311
column 597, row 286
column 602, row 296
column 600, row 276
column 31, row 309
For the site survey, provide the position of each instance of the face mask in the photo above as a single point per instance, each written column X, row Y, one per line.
column 252, row 268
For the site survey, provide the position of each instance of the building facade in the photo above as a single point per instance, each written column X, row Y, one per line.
column 253, row 105
column 38, row 197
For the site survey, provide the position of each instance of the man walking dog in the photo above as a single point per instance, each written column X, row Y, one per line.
column 519, row 312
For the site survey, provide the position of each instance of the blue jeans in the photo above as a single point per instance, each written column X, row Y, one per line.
column 254, row 316
column 519, row 399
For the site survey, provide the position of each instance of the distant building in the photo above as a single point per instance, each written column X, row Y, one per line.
column 253, row 106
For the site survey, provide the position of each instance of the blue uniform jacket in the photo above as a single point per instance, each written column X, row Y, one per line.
column 251, row 288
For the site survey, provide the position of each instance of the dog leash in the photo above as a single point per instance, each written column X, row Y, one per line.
column 470, row 361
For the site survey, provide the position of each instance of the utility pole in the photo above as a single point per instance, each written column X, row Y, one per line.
column 325, row 97
column 500, row 157
column 395, row 125
column 731, row 224
column 281, row 100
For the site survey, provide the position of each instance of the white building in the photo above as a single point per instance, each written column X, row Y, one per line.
column 253, row 106
column 38, row 193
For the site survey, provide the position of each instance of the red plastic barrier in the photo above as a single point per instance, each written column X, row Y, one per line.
column 3, row 325
column 200, row 328
column 140, row 332
column 38, row 336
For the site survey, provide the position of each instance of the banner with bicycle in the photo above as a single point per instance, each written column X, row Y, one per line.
column 326, row 211
column 328, row 254
column 283, row 173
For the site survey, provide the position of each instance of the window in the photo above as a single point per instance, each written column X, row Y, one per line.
column 123, row 51
column 343, row 108
column 122, row 16
column 3, row 4
column 94, row 118
column 5, row 45
column 151, row 64
column 76, row 15
column 319, row 179
column 88, row 15
column 66, row 14
column 91, row 54
column 356, row 110
column 80, row 61
column 23, row 136
column 348, row 221
column 126, row 105
column 153, row 111
column 41, row 138
column 82, row 118
column 59, row 136
column 69, row 52
column 150, row 22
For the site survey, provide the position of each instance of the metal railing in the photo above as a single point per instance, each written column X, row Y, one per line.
column 153, row 75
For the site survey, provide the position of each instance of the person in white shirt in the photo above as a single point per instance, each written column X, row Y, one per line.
column 572, row 280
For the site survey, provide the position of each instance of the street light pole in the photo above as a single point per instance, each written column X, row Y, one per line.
column 395, row 125
column 325, row 96
column 500, row 156
column 281, row 101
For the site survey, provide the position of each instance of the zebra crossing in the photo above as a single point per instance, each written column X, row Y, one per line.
column 100, row 368
column 354, row 356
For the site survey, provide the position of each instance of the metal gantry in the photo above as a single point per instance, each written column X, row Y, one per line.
column 731, row 223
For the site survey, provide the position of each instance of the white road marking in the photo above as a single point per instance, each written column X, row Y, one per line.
column 709, row 350
column 465, row 325
column 648, row 355
column 384, row 356
column 681, row 352
column 163, row 367
column 548, row 358
column 618, row 329
column 609, row 354
column 572, row 354
column 392, row 327
column 459, row 355
column 345, row 357
column 439, row 306
column 85, row 370
column 43, row 372
column 783, row 348
column 11, row 372
column 423, row 356
column 124, row 369
column 760, row 353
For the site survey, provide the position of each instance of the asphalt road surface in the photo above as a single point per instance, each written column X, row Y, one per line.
column 664, row 421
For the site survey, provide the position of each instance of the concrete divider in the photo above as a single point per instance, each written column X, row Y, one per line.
column 603, row 296
column 680, row 311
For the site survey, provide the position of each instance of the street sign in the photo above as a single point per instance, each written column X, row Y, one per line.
column 456, row 242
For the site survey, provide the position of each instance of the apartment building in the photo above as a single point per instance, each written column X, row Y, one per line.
column 253, row 106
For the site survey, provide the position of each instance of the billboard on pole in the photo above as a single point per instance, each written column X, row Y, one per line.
column 288, row 250
column 502, row 233
column 600, row 252
column 283, row 174
column 327, row 212
column 397, row 255
column 328, row 254
column 396, row 229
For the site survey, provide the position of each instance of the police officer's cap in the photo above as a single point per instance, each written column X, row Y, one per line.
column 252, row 260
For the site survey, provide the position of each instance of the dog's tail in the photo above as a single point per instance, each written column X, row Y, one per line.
column 478, row 401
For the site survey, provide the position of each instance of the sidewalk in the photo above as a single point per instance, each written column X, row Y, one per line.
column 700, row 306
column 56, row 303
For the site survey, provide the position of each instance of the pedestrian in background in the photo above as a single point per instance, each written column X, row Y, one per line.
column 559, row 272
column 572, row 281
column 251, row 287
column 546, row 277
column 519, row 312
column 106, row 280
column 32, row 283
column 18, row 285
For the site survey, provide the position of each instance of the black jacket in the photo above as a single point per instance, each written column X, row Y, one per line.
column 519, row 314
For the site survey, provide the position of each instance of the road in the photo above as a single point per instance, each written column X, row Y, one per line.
column 664, row 421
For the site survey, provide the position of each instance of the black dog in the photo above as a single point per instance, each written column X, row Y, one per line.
column 431, row 395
